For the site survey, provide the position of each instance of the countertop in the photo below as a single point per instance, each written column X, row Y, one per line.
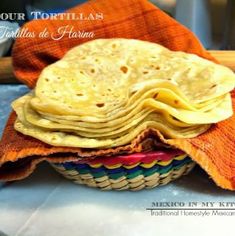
column 47, row 204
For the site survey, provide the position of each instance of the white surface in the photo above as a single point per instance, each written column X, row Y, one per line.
column 47, row 204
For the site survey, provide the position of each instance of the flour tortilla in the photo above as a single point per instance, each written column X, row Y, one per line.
column 66, row 139
column 99, row 76
column 25, row 112
column 222, row 111
column 35, row 119
column 104, row 93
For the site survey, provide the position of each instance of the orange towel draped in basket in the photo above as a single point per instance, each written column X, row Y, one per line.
column 213, row 151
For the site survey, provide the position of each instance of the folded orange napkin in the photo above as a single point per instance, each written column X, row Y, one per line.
column 213, row 151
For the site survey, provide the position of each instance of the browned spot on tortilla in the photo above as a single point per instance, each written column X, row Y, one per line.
column 100, row 104
column 156, row 95
column 124, row 69
column 213, row 86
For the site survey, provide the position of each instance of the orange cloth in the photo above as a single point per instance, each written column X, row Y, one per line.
column 138, row 19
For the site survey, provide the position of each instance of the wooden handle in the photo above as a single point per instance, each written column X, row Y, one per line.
column 6, row 71
column 226, row 58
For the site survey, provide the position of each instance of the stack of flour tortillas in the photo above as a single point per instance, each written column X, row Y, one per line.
column 105, row 92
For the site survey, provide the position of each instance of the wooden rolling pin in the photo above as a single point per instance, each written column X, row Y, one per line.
column 226, row 58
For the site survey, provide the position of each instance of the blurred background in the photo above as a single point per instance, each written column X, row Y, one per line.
column 213, row 21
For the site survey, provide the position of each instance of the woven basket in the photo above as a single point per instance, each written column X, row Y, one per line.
column 122, row 177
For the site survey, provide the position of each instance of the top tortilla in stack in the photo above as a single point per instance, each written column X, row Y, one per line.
column 104, row 93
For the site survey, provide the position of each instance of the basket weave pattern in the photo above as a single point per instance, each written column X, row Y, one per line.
column 123, row 177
